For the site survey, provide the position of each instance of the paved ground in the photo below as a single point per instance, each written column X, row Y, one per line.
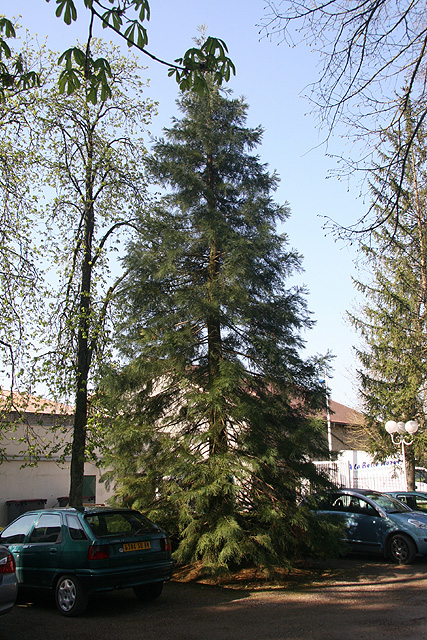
column 360, row 599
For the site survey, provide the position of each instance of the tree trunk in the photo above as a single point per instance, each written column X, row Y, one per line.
column 84, row 349
column 410, row 468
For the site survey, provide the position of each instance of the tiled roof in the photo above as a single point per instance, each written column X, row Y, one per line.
column 32, row 404
column 344, row 415
column 340, row 413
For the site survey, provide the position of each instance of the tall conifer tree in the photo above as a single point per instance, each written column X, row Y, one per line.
column 393, row 322
column 211, row 430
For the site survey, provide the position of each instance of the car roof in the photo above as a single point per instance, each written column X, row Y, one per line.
column 360, row 492
column 406, row 493
column 73, row 510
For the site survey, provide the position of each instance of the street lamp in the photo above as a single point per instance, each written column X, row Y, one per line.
column 402, row 434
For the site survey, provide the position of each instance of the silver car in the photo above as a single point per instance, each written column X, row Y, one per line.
column 8, row 581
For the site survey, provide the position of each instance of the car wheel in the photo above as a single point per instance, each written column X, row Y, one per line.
column 402, row 549
column 148, row 592
column 70, row 597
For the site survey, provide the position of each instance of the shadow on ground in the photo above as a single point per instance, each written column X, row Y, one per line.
column 352, row 598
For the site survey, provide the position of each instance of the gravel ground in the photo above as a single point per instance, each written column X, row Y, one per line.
column 349, row 599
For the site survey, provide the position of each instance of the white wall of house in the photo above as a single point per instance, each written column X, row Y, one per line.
column 46, row 481
column 40, row 431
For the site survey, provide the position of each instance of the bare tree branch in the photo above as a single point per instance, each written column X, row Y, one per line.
column 374, row 66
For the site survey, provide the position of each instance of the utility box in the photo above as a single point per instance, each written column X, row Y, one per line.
column 16, row 508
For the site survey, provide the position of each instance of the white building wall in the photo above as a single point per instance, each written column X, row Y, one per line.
column 46, row 481
column 39, row 430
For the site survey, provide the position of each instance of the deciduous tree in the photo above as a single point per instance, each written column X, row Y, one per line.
column 92, row 166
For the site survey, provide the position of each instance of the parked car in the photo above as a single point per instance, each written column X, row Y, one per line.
column 377, row 523
column 416, row 500
column 77, row 552
column 8, row 581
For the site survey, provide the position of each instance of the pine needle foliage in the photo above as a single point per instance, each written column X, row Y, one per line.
column 393, row 321
column 210, row 429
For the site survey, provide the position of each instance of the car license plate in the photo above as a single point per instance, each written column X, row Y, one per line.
column 136, row 546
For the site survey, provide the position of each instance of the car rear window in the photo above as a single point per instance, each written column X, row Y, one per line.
column 119, row 523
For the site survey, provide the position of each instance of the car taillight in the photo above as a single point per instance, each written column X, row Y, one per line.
column 7, row 565
column 165, row 544
column 99, row 552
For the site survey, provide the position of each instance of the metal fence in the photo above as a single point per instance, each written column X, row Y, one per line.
column 388, row 476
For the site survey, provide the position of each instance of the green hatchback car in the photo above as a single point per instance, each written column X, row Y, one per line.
column 77, row 552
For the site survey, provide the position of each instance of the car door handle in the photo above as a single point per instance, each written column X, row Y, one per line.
column 53, row 550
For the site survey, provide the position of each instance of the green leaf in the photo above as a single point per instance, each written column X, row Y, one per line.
column 67, row 57
column 7, row 27
column 105, row 91
column 130, row 34
column 68, row 8
column 92, row 95
column 117, row 21
column 144, row 9
column 102, row 63
column 4, row 49
column 69, row 81
column 29, row 80
column 142, row 36
column 79, row 56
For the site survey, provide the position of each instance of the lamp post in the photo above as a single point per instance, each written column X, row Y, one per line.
column 402, row 434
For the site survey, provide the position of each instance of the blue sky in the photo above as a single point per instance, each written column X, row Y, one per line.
column 272, row 77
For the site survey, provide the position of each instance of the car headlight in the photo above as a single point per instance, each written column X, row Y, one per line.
column 418, row 523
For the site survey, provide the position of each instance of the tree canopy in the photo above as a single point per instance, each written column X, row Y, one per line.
column 83, row 175
column 127, row 19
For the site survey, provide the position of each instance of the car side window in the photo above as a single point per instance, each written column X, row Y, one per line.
column 75, row 528
column 47, row 529
column 420, row 503
column 17, row 530
column 341, row 503
column 361, row 506
column 352, row 504
column 409, row 500
column 420, row 475
column 366, row 508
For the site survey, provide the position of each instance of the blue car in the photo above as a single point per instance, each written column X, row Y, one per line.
column 415, row 500
column 377, row 523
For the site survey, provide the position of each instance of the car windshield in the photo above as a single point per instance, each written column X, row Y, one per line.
column 113, row 523
column 387, row 503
